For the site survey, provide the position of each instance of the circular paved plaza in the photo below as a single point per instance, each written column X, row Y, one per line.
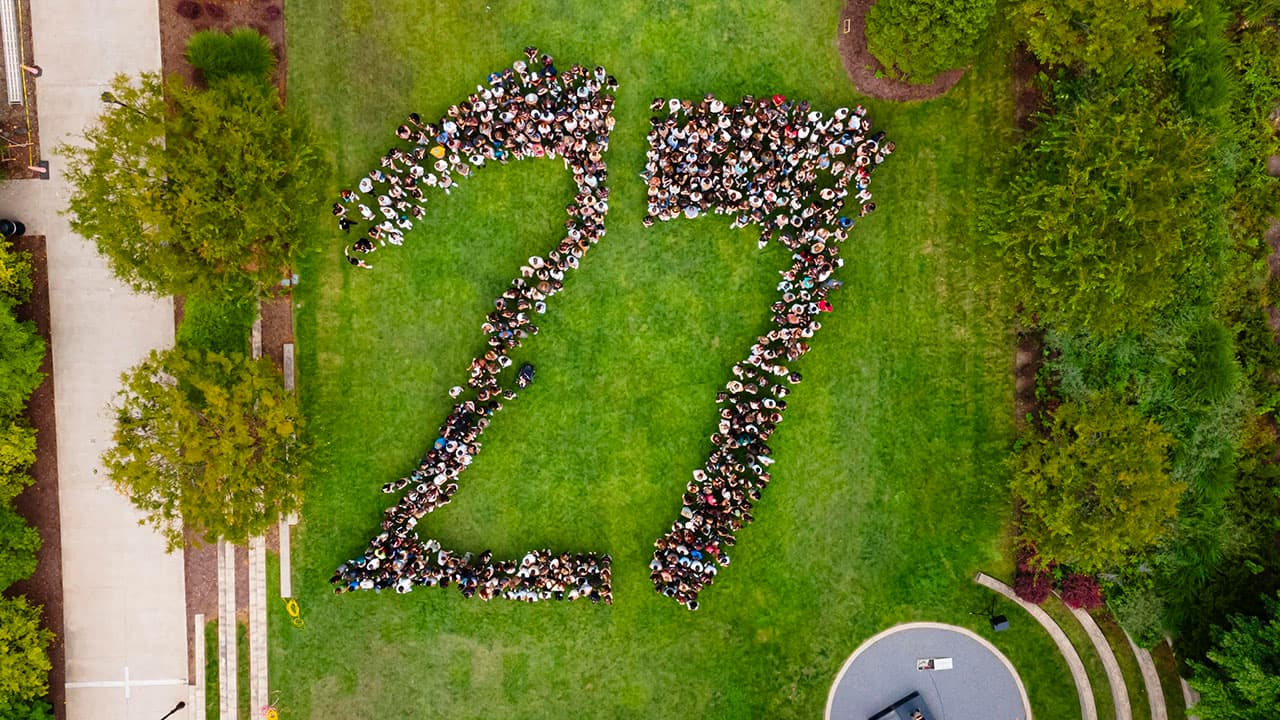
column 980, row 682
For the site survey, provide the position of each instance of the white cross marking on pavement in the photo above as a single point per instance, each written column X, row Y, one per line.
column 127, row 684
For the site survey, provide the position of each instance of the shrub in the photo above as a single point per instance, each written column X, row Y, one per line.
column 24, row 651
column 1033, row 579
column 189, row 9
column 17, row 453
column 1140, row 611
column 921, row 38
column 1102, row 219
column 1096, row 489
column 18, row 545
column 21, row 352
column 1081, row 591
column 1095, row 33
column 243, row 51
column 217, row 326
column 1033, row 585
column 26, row 710
column 15, row 274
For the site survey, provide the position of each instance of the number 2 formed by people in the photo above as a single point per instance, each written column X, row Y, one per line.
column 529, row 110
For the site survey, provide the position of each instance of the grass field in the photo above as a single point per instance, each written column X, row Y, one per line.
column 888, row 491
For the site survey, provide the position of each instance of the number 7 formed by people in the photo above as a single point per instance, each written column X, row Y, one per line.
column 787, row 169
column 530, row 110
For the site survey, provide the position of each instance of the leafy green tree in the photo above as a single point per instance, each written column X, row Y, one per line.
column 1096, row 488
column 1093, row 33
column 1241, row 678
column 197, row 192
column 18, row 545
column 1102, row 220
column 24, row 651
column 921, row 38
column 209, row 440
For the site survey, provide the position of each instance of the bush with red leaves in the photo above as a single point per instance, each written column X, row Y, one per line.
column 189, row 9
column 1081, row 591
column 215, row 10
column 1032, row 581
column 1033, row 585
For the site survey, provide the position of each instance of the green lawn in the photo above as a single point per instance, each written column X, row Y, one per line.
column 888, row 491
column 1088, row 655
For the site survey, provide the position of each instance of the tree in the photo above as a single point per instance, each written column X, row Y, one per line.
column 921, row 38
column 24, row 651
column 1094, row 33
column 196, row 191
column 1096, row 488
column 1107, row 216
column 1241, row 678
column 207, row 439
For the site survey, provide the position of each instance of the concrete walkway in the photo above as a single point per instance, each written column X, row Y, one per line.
column 126, row 638
column 1115, row 678
column 1088, row 708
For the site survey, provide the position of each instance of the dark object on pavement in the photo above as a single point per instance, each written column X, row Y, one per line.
column 12, row 228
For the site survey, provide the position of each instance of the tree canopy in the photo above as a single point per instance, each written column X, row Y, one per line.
column 193, row 191
column 1096, row 488
column 921, row 38
column 1241, row 678
column 209, row 440
column 1106, row 217
column 1093, row 33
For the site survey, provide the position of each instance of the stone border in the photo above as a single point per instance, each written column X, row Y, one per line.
column 1022, row 690
column 1084, row 689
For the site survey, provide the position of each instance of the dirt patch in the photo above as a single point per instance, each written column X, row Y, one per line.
column 277, row 328
column 19, row 124
column 39, row 503
column 1027, row 95
column 1028, row 358
column 867, row 73
column 265, row 16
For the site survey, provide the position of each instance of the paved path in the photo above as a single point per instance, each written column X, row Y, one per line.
column 259, row 697
column 228, row 657
column 1151, row 679
column 125, row 630
column 1088, row 708
column 1115, row 678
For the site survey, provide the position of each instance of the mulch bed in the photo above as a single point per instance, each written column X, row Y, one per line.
column 868, row 74
column 39, row 503
column 19, row 124
column 265, row 16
